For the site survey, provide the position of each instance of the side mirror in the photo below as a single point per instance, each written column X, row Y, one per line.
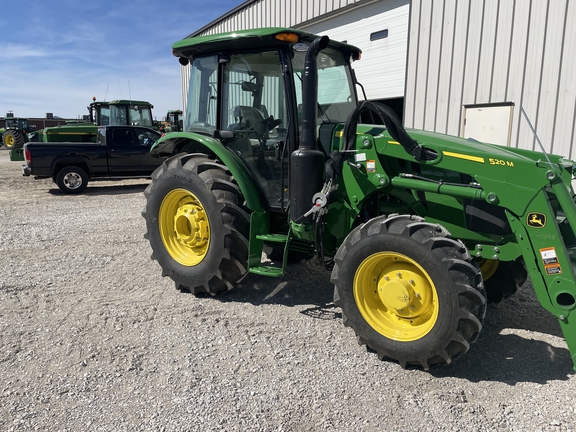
column 224, row 135
column 248, row 86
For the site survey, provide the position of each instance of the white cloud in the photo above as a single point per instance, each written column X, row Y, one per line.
column 14, row 51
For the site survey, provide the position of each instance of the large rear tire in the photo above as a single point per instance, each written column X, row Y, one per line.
column 13, row 139
column 196, row 224
column 411, row 293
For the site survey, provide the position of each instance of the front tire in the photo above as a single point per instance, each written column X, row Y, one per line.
column 502, row 278
column 196, row 225
column 409, row 291
column 71, row 180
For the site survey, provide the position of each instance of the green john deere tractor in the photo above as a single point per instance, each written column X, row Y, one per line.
column 173, row 121
column 418, row 229
column 116, row 112
column 15, row 132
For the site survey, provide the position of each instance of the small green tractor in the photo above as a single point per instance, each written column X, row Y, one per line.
column 15, row 131
column 419, row 230
column 173, row 122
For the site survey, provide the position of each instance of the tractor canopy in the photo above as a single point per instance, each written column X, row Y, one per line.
column 263, row 38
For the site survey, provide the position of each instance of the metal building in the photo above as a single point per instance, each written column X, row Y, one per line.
column 474, row 66
column 486, row 69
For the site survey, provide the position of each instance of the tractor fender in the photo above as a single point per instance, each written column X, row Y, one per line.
column 190, row 142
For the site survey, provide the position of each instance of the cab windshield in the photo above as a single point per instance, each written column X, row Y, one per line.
column 122, row 115
column 251, row 101
column 336, row 96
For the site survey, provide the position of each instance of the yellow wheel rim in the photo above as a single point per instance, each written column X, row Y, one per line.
column 9, row 140
column 488, row 267
column 184, row 227
column 396, row 296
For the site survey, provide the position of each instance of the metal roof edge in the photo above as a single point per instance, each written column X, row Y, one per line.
column 223, row 17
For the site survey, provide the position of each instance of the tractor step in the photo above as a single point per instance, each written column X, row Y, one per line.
column 267, row 271
column 272, row 238
column 270, row 270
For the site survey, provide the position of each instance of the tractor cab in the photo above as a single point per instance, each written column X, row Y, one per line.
column 252, row 99
column 174, row 121
column 17, row 123
column 121, row 113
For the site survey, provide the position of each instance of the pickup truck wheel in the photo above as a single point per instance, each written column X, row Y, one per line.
column 196, row 225
column 409, row 291
column 72, row 180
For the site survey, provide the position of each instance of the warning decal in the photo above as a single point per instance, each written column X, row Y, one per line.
column 550, row 260
column 553, row 269
column 549, row 256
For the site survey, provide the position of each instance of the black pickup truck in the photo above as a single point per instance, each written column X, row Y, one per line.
column 120, row 152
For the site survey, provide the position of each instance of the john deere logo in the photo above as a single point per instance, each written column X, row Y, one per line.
column 536, row 220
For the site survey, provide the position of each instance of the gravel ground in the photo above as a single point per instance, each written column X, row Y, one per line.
column 93, row 338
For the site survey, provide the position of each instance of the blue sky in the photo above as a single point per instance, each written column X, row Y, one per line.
column 56, row 55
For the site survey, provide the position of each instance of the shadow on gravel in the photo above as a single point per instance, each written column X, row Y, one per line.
column 504, row 351
column 303, row 284
column 282, row 291
column 510, row 359
column 106, row 190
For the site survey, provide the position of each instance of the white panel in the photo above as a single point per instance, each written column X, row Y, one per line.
column 382, row 68
column 488, row 124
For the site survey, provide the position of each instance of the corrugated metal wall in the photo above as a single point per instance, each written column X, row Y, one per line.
column 493, row 51
column 274, row 13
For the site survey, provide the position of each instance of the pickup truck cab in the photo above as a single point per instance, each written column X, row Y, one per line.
column 120, row 152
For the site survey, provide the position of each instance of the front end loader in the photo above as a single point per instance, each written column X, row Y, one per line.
column 418, row 230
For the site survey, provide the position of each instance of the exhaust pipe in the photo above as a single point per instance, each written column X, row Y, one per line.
column 307, row 162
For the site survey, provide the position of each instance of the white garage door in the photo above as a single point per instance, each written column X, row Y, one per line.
column 380, row 30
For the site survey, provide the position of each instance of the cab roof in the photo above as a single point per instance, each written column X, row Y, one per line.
column 191, row 47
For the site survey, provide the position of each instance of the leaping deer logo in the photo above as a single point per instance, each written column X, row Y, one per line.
column 536, row 220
